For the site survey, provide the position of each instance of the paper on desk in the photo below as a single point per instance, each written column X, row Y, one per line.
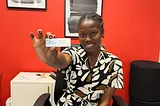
column 58, row 42
column 30, row 77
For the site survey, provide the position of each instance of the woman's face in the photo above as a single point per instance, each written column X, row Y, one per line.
column 90, row 35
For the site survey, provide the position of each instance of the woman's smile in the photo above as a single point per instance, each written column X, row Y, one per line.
column 88, row 46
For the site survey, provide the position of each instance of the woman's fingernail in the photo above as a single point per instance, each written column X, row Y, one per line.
column 50, row 36
column 54, row 36
column 31, row 35
column 40, row 31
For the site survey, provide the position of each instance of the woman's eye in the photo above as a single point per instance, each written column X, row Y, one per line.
column 93, row 33
column 82, row 35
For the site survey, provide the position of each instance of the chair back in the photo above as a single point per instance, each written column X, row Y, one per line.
column 118, row 101
column 60, row 85
column 43, row 100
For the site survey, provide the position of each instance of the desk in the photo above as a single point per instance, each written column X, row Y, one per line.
column 26, row 87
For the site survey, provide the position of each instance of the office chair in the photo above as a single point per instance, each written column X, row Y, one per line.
column 43, row 100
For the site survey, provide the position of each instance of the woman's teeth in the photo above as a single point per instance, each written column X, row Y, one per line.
column 89, row 46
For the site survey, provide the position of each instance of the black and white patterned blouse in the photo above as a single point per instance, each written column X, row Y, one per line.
column 85, row 86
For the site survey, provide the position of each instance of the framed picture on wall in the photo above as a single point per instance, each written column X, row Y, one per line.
column 74, row 9
column 30, row 4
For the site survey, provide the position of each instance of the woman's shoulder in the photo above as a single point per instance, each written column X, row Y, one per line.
column 111, row 55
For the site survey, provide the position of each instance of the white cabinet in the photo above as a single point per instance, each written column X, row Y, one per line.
column 26, row 87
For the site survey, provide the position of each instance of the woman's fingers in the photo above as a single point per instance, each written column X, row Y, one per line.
column 50, row 35
column 32, row 36
column 40, row 34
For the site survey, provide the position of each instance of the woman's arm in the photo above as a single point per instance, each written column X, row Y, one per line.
column 106, row 97
column 61, row 60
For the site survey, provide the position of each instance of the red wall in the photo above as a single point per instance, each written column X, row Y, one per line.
column 131, row 32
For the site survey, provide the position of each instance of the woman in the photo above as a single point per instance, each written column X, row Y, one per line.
column 92, row 73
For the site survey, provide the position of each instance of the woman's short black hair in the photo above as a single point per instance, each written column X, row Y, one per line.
column 95, row 17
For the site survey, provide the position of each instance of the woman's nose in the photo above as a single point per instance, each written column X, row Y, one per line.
column 88, row 38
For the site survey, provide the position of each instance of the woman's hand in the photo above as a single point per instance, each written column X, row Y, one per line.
column 49, row 55
column 44, row 53
column 107, row 96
